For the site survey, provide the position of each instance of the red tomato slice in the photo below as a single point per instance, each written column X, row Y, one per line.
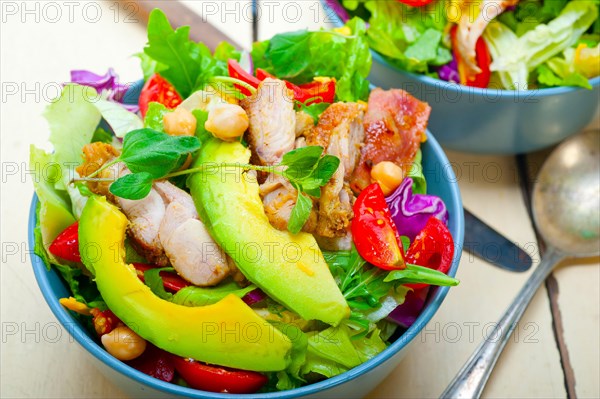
column 172, row 282
column 433, row 247
column 374, row 232
column 66, row 245
column 157, row 89
column 218, row 379
column 415, row 3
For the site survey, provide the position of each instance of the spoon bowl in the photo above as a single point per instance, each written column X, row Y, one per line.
column 566, row 209
column 566, row 197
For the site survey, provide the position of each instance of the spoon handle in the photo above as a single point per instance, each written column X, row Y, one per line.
column 471, row 379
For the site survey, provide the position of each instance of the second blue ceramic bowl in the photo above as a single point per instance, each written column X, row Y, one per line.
column 491, row 121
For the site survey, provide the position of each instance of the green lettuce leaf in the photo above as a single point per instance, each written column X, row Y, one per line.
column 410, row 37
column 55, row 206
column 302, row 55
column 118, row 118
column 416, row 173
column 80, row 285
column 333, row 351
column 515, row 56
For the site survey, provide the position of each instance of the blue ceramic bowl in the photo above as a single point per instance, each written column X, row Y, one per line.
column 491, row 121
column 352, row 384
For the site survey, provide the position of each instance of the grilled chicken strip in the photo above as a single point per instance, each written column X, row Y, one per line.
column 395, row 125
column 165, row 226
column 272, row 121
column 272, row 133
column 340, row 131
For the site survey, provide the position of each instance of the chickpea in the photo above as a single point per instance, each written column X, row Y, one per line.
column 180, row 122
column 388, row 175
column 226, row 121
column 123, row 343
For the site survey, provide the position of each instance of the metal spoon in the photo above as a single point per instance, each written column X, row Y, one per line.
column 566, row 210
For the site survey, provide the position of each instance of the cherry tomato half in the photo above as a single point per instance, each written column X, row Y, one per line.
column 433, row 247
column 66, row 245
column 157, row 89
column 218, row 379
column 374, row 232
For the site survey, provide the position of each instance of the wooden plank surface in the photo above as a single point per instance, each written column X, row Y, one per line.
column 36, row 361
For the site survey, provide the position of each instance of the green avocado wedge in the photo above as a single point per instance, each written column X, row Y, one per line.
column 290, row 268
column 227, row 333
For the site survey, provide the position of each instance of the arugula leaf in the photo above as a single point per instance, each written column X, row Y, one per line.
column 173, row 49
column 146, row 150
column 225, row 51
column 300, row 213
column 184, row 63
column 419, row 274
column 134, row 186
column 154, row 281
column 201, row 296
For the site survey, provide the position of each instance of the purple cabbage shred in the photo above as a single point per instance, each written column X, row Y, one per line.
column 411, row 212
column 107, row 84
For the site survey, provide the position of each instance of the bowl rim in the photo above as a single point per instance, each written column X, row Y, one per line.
column 456, row 87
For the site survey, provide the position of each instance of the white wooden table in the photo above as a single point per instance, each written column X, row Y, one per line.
column 41, row 41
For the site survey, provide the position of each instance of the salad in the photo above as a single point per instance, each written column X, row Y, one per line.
column 501, row 44
column 257, row 222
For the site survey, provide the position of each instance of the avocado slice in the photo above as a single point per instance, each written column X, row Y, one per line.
column 227, row 333
column 290, row 268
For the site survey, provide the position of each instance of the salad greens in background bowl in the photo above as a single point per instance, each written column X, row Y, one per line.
column 533, row 75
column 237, row 225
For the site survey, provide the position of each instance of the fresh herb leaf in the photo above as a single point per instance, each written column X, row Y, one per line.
column 146, row 150
column 153, row 280
column 325, row 169
column 301, row 161
column 300, row 213
column 134, row 186
column 419, row 274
